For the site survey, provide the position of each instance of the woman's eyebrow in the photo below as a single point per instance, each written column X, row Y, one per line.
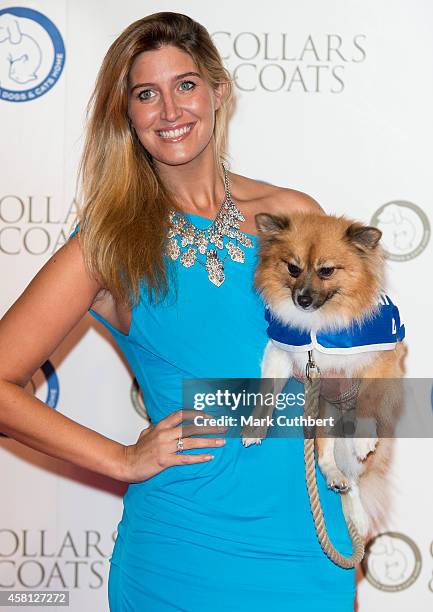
column 176, row 78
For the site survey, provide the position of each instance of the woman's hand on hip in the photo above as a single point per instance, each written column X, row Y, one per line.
column 157, row 446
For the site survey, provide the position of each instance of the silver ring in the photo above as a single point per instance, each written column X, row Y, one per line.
column 180, row 444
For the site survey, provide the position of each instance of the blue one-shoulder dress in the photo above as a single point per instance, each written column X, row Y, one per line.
column 236, row 532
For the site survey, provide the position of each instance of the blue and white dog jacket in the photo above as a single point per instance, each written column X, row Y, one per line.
column 379, row 333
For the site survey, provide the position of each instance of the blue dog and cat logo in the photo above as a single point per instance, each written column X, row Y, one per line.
column 32, row 54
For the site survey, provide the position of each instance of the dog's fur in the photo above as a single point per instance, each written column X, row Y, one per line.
column 315, row 243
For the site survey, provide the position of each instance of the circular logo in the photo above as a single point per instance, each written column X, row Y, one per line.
column 138, row 402
column 32, row 54
column 45, row 384
column 405, row 229
column 392, row 562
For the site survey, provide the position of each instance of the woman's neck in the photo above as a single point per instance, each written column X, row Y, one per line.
column 196, row 185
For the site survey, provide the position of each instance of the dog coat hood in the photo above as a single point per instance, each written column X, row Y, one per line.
column 379, row 333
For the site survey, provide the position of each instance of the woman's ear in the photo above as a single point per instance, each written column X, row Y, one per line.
column 219, row 94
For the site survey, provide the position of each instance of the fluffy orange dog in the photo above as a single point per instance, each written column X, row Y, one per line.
column 322, row 279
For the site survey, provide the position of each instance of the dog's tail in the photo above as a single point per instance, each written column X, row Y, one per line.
column 377, row 489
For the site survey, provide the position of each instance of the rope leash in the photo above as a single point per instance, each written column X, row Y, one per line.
column 312, row 393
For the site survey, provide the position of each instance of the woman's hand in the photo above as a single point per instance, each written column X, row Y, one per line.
column 156, row 447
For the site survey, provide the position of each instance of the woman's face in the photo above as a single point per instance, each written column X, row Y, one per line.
column 171, row 106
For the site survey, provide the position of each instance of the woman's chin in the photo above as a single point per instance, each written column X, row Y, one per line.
column 176, row 157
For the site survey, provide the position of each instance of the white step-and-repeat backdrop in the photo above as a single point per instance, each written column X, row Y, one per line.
column 334, row 98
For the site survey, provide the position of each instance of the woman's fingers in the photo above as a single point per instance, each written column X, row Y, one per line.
column 196, row 430
column 179, row 458
column 189, row 459
column 199, row 443
column 183, row 414
column 172, row 427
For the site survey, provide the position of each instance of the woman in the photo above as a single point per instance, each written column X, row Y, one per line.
column 197, row 534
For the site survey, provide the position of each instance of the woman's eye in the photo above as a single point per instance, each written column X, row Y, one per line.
column 187, row 83
column 326, row 271
column 142, row 95
column 148, row 94
column 294, row 270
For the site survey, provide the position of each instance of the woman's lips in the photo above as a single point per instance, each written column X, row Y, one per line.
column 176, row 138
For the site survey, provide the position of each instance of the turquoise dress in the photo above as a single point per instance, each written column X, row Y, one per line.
column 234, row 533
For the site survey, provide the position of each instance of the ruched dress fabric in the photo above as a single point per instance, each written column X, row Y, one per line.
column 234, row 533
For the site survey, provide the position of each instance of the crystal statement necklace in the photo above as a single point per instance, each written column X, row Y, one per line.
column 195, row 241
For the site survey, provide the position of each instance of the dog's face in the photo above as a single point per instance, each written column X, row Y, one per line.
column 317, row 262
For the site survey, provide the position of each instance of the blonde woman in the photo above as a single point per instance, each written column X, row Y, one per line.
column 158, row 258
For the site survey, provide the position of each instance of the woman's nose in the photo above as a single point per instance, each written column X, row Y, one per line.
column 170, row 110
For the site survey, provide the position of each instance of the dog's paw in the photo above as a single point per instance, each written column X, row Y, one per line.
column 364, row 446
column 337, row 481
column 248, row 441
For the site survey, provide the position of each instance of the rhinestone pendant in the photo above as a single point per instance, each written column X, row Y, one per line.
column 201, row 241
column 235, row 252
column 189, row 257
column 173, row 249
column 232, row 232
column 174, row 229
column 187, row 236
column 214, row 268
column 216, row 239
column 244, row 239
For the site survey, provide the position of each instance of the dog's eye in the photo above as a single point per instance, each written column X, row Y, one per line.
column 294, row 270
column 325, row 272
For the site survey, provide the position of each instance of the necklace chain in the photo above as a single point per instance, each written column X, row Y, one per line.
column 186, row 241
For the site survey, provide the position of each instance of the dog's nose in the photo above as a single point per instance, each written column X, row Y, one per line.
column 305, row 300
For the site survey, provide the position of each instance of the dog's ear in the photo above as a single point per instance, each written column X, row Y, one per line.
column 365, row 237
column 269, row 225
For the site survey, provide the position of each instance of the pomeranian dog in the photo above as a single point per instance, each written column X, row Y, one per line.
column 322, row 280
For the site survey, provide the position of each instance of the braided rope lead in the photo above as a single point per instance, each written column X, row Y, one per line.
column 312, row 392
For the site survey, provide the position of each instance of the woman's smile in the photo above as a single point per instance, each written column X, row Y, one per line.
column 177, row 133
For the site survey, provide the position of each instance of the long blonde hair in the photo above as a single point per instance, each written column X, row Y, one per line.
column 124, row 216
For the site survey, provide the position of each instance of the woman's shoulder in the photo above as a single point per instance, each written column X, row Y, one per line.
column 264, row 196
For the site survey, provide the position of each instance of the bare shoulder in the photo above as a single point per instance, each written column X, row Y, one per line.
column 286, row 201
column 260, row 196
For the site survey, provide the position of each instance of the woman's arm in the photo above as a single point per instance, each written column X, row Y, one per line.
column 49, row 308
